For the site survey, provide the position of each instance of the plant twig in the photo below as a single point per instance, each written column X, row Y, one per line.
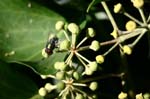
column 109, row 15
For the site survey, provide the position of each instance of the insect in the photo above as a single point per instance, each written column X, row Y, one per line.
column 51, row 44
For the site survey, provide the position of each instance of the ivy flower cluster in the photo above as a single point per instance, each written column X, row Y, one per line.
column 69, row 73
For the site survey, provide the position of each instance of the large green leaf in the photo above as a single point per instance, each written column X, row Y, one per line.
column 24, row 29
column 14, row 84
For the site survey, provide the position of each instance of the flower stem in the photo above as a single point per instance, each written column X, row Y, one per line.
column 83, row 40
column 132, row 18
column 101, row 44
column 74, row 40
column 143, row 16
column 66, row 35
column 148, row 19
column 79, row 84
column 109, row 15
column 137, row 39
column 114, row 46
column 82, row 61
column 82, row 57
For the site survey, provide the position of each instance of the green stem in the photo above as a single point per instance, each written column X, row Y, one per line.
column 85, row 59
column 101, row 77
column 114, row 46
column 82, row 61
column 82, row 92
column 134, row 33
column 101, row 44
column 79, row 84
column 109, row 15
column 143, row 16
column 148, row 19
column 90, row 6
column 69, row 58
column 137, row 39
column 83, row 40
column 132, row 18
column 66, row 35
column 74, row 40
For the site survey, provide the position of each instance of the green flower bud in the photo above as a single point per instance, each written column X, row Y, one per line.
column 64, row 45
column 42, row 92
column 88, row 71
column 73, row 28
column 100, row 59
column 95, row 45
column 93, row 86
column 122, row 95
column 114, row 33
column 79, row 96
column 49, row 87
column 90, row 32
column 118, row 8
column 44, row 54
column 76, row 75
column 146, row 96
column 43, row 76
column 138, row 3
column 60, row 65
column 130, row 25
column 57, row 65
column 59, row 25
column 60, row 85
column 139, row 96
column 60, row 75
column 127, row 50
column 93, row 66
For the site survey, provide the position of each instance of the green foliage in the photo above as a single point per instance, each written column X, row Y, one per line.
column 16, row 85
column 89, row 49
column 25, row 32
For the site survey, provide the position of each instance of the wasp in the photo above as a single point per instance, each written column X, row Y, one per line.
column 51, row 44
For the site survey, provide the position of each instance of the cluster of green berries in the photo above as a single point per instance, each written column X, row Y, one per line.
column 131, row 25
column 69, row 73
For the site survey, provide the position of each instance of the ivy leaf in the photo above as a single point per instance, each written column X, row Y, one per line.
column 24, row 29
column 15, row 84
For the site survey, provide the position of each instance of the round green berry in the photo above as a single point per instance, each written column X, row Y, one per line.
column 59, row 25
column 95, row 46
column 49, row 87
column 93, row 66
column 127, row 49
column 88, row 71
column 79, row 96
column 100, row 59
column 64, row 45
column 76, row 75
column 57, row 65
column 93, row 86
column 60, row 85
column 60, row 75
column 90, row 32
column 118, row 8
column 73, row 28
column 60, row 65
column 122, row 95
column 42, row 91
